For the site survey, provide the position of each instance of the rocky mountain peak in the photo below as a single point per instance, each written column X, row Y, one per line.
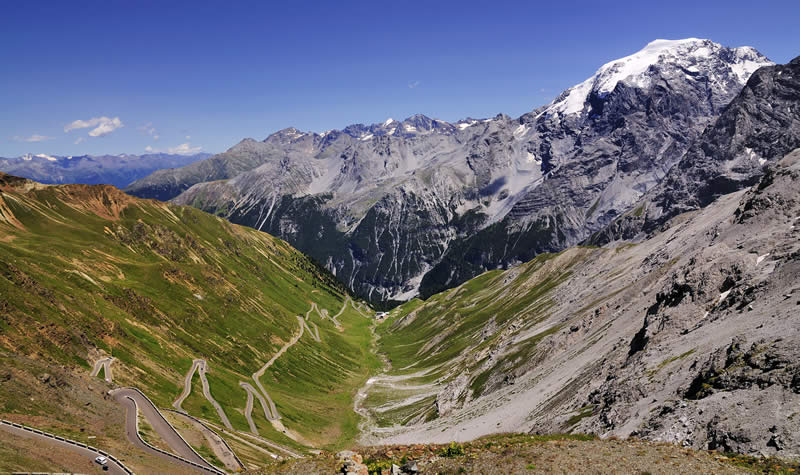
column 420, row 121
column 691, row 56
column 288, row 134
column 484, row 193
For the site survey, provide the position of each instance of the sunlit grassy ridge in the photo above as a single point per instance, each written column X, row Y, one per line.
column 87, row 271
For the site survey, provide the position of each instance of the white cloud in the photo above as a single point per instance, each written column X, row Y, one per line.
column 188, row 137
column 182, row 149
column 148, row 129
column 185, row 149
column 414, row 84
column 46, row 157
column 32, row 138
column 102, row 125
column 79, row 140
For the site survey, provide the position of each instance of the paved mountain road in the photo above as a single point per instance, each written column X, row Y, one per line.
column 104, row 363
column 304, row 323
column 200, row 366
column 248, row 410
column 126, row 397
column 344, row 305
column 251, row 391
column 257, row 375
column 90, row 455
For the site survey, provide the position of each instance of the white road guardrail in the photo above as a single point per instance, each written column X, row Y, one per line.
column 183, row 413
column 178, row 457
column 69, row 441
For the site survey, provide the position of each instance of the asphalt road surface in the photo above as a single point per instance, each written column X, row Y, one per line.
column 90, row 455
column 104, row 363
column 164, row 429
column 201, row 366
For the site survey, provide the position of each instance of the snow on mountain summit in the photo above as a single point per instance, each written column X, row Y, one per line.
column 691, row 54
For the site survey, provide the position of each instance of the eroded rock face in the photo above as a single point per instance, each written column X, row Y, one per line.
column 453, row 395
column 690, row 336
column 743, row 395
column 401, row 208
column 764, row 364
column 761, row 125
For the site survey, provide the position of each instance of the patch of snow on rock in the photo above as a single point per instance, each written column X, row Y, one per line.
column 633, row 69
column 723, row 295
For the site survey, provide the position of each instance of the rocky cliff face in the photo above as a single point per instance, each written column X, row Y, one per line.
column 420, row 205
column 759, row 126
column 690, row 336
column 606, row 142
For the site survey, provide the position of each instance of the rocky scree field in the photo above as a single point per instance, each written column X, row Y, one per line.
column 688, row 337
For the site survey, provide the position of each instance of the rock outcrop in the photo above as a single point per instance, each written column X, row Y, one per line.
column 690, row 336
column 761, row 125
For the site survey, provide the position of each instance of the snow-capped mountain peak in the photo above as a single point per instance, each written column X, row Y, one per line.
column 691, row 54
column 394, row 199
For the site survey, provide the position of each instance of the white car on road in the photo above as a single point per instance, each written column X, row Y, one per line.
column 101, row 459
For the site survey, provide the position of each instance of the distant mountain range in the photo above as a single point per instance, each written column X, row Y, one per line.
column 412, row 207
column 117, row 170
column 668, row 182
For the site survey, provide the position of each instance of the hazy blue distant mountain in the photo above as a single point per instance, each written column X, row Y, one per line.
column 117, row 170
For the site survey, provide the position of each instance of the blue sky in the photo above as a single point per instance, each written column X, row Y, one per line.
column 120, row 76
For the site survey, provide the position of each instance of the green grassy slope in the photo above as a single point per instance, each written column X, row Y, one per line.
column 87, row 271
column 457, row 333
